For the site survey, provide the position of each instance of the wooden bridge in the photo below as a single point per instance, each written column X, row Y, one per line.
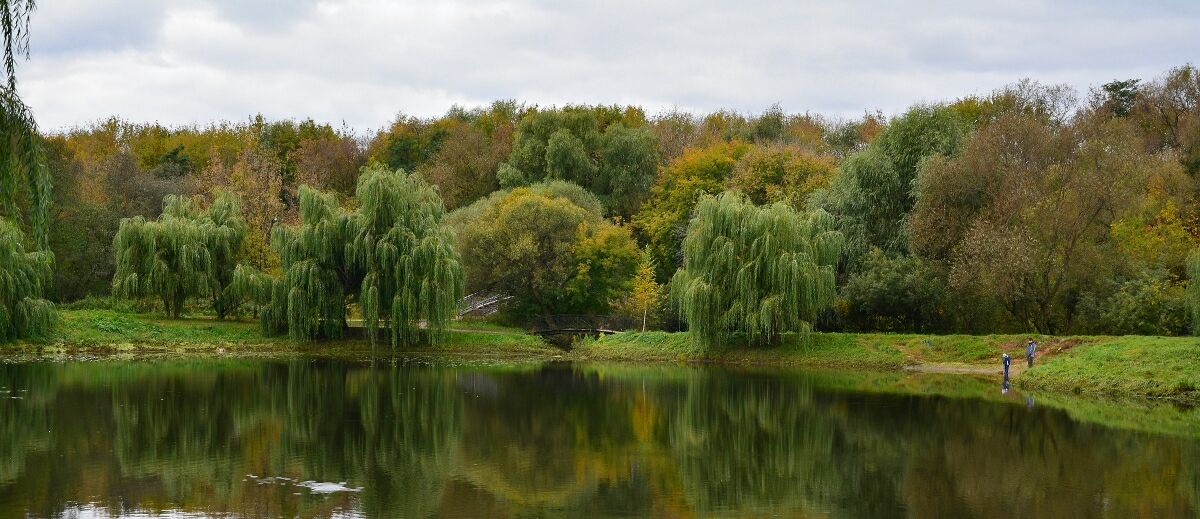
column 546, row 325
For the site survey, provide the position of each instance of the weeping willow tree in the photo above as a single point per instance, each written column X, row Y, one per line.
column 187, row 252
column 309, row 300
column 754, row 271
column 23, row 311
column 23, row 170
column 391, row 254
column 411, row 271
column 225, row 234
column 23, row 176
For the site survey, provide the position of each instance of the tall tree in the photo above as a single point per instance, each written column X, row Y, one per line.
column 23, row 311
column 548, row 246
column 873, row 191
column 411, row 271
column 757, row 272
column 609, row 152
column 167, row 258
column 1024, row 216
column 187, row 252
column 390, row 254
column 225, row 236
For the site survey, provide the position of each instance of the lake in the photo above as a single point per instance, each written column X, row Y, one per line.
column 336, row 438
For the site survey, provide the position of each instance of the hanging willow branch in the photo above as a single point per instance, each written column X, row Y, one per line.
column 309, row 300
column 22, row 162
column 23, row 312
column 411, row 271
column 391, row 254
column 225, row 233
column 756, row 271
column 23, row 165
column 185, row 253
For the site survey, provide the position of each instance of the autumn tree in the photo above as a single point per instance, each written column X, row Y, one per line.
column 788, row 174
column 663, row 219
column 1023, row 216
column 755, row 272
column 645, row 297
column 872, row 192
column 548, row 246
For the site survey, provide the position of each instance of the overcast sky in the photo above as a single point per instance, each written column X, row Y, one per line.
column 362, row 61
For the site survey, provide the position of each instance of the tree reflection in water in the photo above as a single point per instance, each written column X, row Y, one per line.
column 566, row 441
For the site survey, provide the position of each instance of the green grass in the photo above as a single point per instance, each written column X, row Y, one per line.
column 94, row 327
column 1132, row 366
column 106, row 332
column 1147, row 366
column 821, row 349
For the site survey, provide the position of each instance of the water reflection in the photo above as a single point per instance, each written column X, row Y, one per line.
column 273, row 439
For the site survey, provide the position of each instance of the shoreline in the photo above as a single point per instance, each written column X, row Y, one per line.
column 1159, row 368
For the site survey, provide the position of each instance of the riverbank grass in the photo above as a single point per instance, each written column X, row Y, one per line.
column 109, row 331
column 1166, row 367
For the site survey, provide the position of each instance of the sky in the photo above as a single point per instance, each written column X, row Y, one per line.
column 359, row 63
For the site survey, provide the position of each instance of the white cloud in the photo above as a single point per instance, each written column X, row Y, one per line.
column 362, row 61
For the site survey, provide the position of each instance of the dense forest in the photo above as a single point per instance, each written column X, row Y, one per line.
column 1027, row 209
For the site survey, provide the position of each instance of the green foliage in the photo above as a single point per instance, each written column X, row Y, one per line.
column 894, row 294
column 611, row 154
column 309, row 300
column 187, row 252
column 663, row 219
column 390, row 254
column 606, row 261
column 1153, row 303
column 1120, row 96
column 787, row 174
column 756, row 271
column 24, row 314
column 225, row 233
column 411, row 272
column 548, row 246
column 873, row 191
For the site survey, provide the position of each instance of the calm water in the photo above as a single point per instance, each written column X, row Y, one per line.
column 322, row 438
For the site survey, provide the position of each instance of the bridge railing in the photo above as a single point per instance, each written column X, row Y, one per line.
column 481, row 304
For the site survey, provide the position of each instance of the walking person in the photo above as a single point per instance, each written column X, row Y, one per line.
column 1030, row 349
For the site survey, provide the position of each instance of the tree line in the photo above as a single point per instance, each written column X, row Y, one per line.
column 1026, row 209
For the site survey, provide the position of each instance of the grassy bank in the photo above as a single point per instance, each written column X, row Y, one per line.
column 1129, row 366
column 1166, row 367
column 107, row 332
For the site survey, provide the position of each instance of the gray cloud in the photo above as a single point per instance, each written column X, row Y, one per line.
column 362, row 61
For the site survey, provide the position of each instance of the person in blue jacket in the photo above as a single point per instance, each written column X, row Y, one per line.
column 1030, row 349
